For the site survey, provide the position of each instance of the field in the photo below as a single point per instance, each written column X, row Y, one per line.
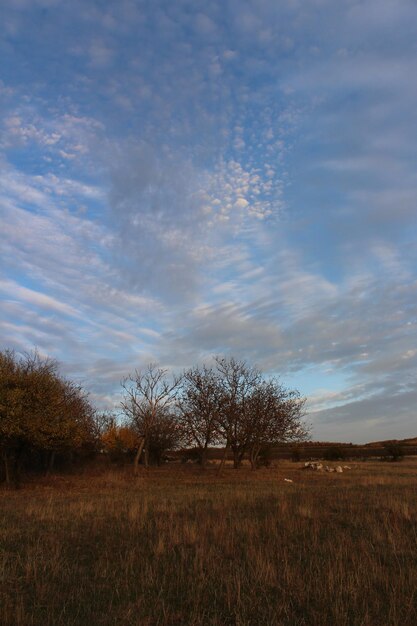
column 178, row 546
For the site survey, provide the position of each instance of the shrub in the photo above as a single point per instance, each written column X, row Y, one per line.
column 296, row 455
column 335, row 453
column 394, row 451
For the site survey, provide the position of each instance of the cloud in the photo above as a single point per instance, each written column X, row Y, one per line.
column 100, row 54
column 35, row 298
column 240, row 178
column 172, row 218
column 383, row 410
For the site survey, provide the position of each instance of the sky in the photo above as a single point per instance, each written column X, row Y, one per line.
column 181, row 179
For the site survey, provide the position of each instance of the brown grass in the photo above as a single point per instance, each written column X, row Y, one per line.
column 178, row 546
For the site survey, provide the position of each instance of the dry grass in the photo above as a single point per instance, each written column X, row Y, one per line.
column 182, row 547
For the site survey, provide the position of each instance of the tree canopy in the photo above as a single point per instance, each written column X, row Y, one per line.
column 40, row 411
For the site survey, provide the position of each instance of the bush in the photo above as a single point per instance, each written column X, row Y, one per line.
column 191, row 454
column 296, row 455
column 394, row 451
column 265, row 456
column 334, row 454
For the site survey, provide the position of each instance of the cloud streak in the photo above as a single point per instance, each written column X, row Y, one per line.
column 231, row 177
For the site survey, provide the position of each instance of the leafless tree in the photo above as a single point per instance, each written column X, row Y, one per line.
column 237, row 382
column 255, row 412
column 275, row 415
column 147, row 396
column 198, row 404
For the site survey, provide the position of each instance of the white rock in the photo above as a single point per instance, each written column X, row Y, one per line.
column 339, row 469
column 313, row 465
column 288, row 480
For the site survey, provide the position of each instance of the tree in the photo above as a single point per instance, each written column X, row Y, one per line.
column 198, row 404
column 394, row 450
column 274, row 416
column 39, row 411
column 147, row 396
column 119, row 442
column 255, row 413
column 166, row 434
column 237, row 382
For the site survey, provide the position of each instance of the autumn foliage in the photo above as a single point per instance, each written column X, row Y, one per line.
column 42, row 414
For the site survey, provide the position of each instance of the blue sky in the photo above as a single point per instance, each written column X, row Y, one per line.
column 184, row 179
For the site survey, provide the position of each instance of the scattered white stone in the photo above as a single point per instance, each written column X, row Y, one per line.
column 313, row 465
column 316, row 466
column 288, row 480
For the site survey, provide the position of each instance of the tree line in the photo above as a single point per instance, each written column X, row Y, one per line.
column 229, row 404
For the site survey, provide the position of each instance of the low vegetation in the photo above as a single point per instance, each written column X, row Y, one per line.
column 182, row 546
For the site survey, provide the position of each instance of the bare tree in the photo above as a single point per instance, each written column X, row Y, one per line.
column 198, row 405
column 255, row 412
column 237, row 382
column 147, row 395
column 275, row 415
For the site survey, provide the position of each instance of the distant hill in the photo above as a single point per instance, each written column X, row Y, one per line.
column 372, row 444
column 404, row 442
column 323, row 449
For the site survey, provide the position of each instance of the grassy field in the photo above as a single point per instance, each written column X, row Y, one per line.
column 178, row 546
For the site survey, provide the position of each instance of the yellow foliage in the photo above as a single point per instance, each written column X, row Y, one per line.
column 119, row 438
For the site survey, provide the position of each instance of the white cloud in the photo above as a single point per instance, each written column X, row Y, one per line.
column 100, row 54
column 237, row 180
column 35, row 298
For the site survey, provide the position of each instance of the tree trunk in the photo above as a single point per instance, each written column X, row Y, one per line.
column 137, row 457
column 236, row 459
column 51, row 462
column 203, row 458
column 17, row 468
column 6, row 468
column 254, row 454
column 222, row 462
